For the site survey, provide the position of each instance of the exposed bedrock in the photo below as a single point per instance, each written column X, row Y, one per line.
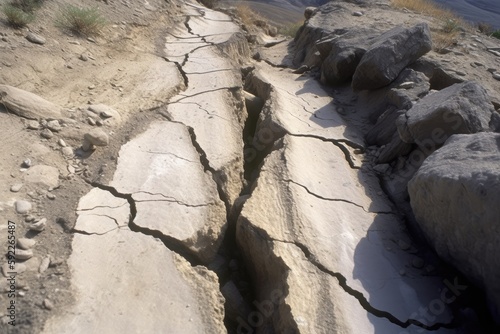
column 464, row 178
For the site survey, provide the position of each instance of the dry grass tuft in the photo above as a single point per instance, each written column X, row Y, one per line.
column 246, row 14
column 451, row 24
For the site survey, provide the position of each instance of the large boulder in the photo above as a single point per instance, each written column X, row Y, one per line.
column 390, row 54
column 344, row 54
column 459, row 109
column 26, row 104
column 454, row 196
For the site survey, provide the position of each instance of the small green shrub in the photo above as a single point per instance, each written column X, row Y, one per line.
column 28, row 6
column 496, row 34
column 82, row 21
column 16, row 17
column 290, row 30
column 451, row 25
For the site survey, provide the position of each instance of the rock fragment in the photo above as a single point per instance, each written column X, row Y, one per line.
column 23, row 206
column 96, row 137
column 27, row 105
column 34, row 38
column 16, row 187
column 25, row 243
column 44, row 265
column 39, row 225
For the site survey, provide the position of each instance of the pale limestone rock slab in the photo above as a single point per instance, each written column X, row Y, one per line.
column 27, row 104
column 173, row 193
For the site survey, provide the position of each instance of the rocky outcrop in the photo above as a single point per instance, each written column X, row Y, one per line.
column 461, row 108
column 342, row 54
column 28, row 105
column 454, row 196
column 390, row 54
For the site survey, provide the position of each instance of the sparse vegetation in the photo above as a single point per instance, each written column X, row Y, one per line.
column 16, row 17
column 451, row 24
column 82, row 21
column 496, row 34
column 290, row 29
column 246, row 14
column 28, row 6
column 484, row 28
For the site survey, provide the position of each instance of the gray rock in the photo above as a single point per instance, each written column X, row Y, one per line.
column 34, row 38
column 357, row 14
column 454, row 196
column 26, row 163
column 496, row 76
column 343, row 53
column 23, row 206
column 84, row 57
column 308, row 12
column 460, row 108
column 25, row 243
column 33, row 125
column 390, row 54
column 47, row 134
column 67, row 152
column 54, row 125
column 23, row 254
column 96, row 137
column 16, row 187
column 44, row 265
column 26, row 104
column 39, row 225
column 48, row 304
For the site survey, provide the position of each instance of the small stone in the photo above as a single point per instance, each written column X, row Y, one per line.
column 25, row 243
column 51, row 196
column 84, row 57
column 56, row 262
column 95, row 137
column 71, row 169
column 48, row 304
column 33, row 125
column 23, row 206
column 461, row 73
column 91, row 87
column 99, row 122
column 16, row 187
column 46, row 133
column 61, row 142
column 29, row 218
column 496, row 76
column 24, row 254
column 26, row 163
column 91, row 121
column 357, row 14
column 18, row 268
column 44, row 265
column 39, row 225
column 417, row 262
column 21, row 293
column 67, row 151
column 491, row 70
column 404, row 245
column 54, row 125
column 34, row 38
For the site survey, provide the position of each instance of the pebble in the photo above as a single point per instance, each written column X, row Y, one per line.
column 16, row 187
column 84, row 57
column 417, row 262
column 39, row 225
column 46, row 133
column 67, row 151
column 44, row 265
column 23, row 206
column 51, row 196
column 496, row 76
column 34, row 38
column 48, row 304
column 29, row 218
column 357, row 14
column 61, row 142
column 71, row 169
column 26, row 163
column 491, row 69
column 54, row 125
column 461, row 73
column 25, row 243
column 91, row 121
column 33, row 125
column 96, row 137
column 24, row 254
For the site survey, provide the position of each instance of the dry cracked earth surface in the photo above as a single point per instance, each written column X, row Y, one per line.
column 185, row 180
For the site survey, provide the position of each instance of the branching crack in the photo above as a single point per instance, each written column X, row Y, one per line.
column 171, row 243
column 204, row 92
column 172, row 154
column 360, row 297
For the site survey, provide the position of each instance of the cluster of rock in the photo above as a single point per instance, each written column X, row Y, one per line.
column 446, row 142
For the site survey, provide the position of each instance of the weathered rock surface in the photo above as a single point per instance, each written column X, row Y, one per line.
column 172, row 193
column 454, row 196
column 112, row 268
column 26, row 104
column 390, row 54
column 343, row 53
column 461, row 108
